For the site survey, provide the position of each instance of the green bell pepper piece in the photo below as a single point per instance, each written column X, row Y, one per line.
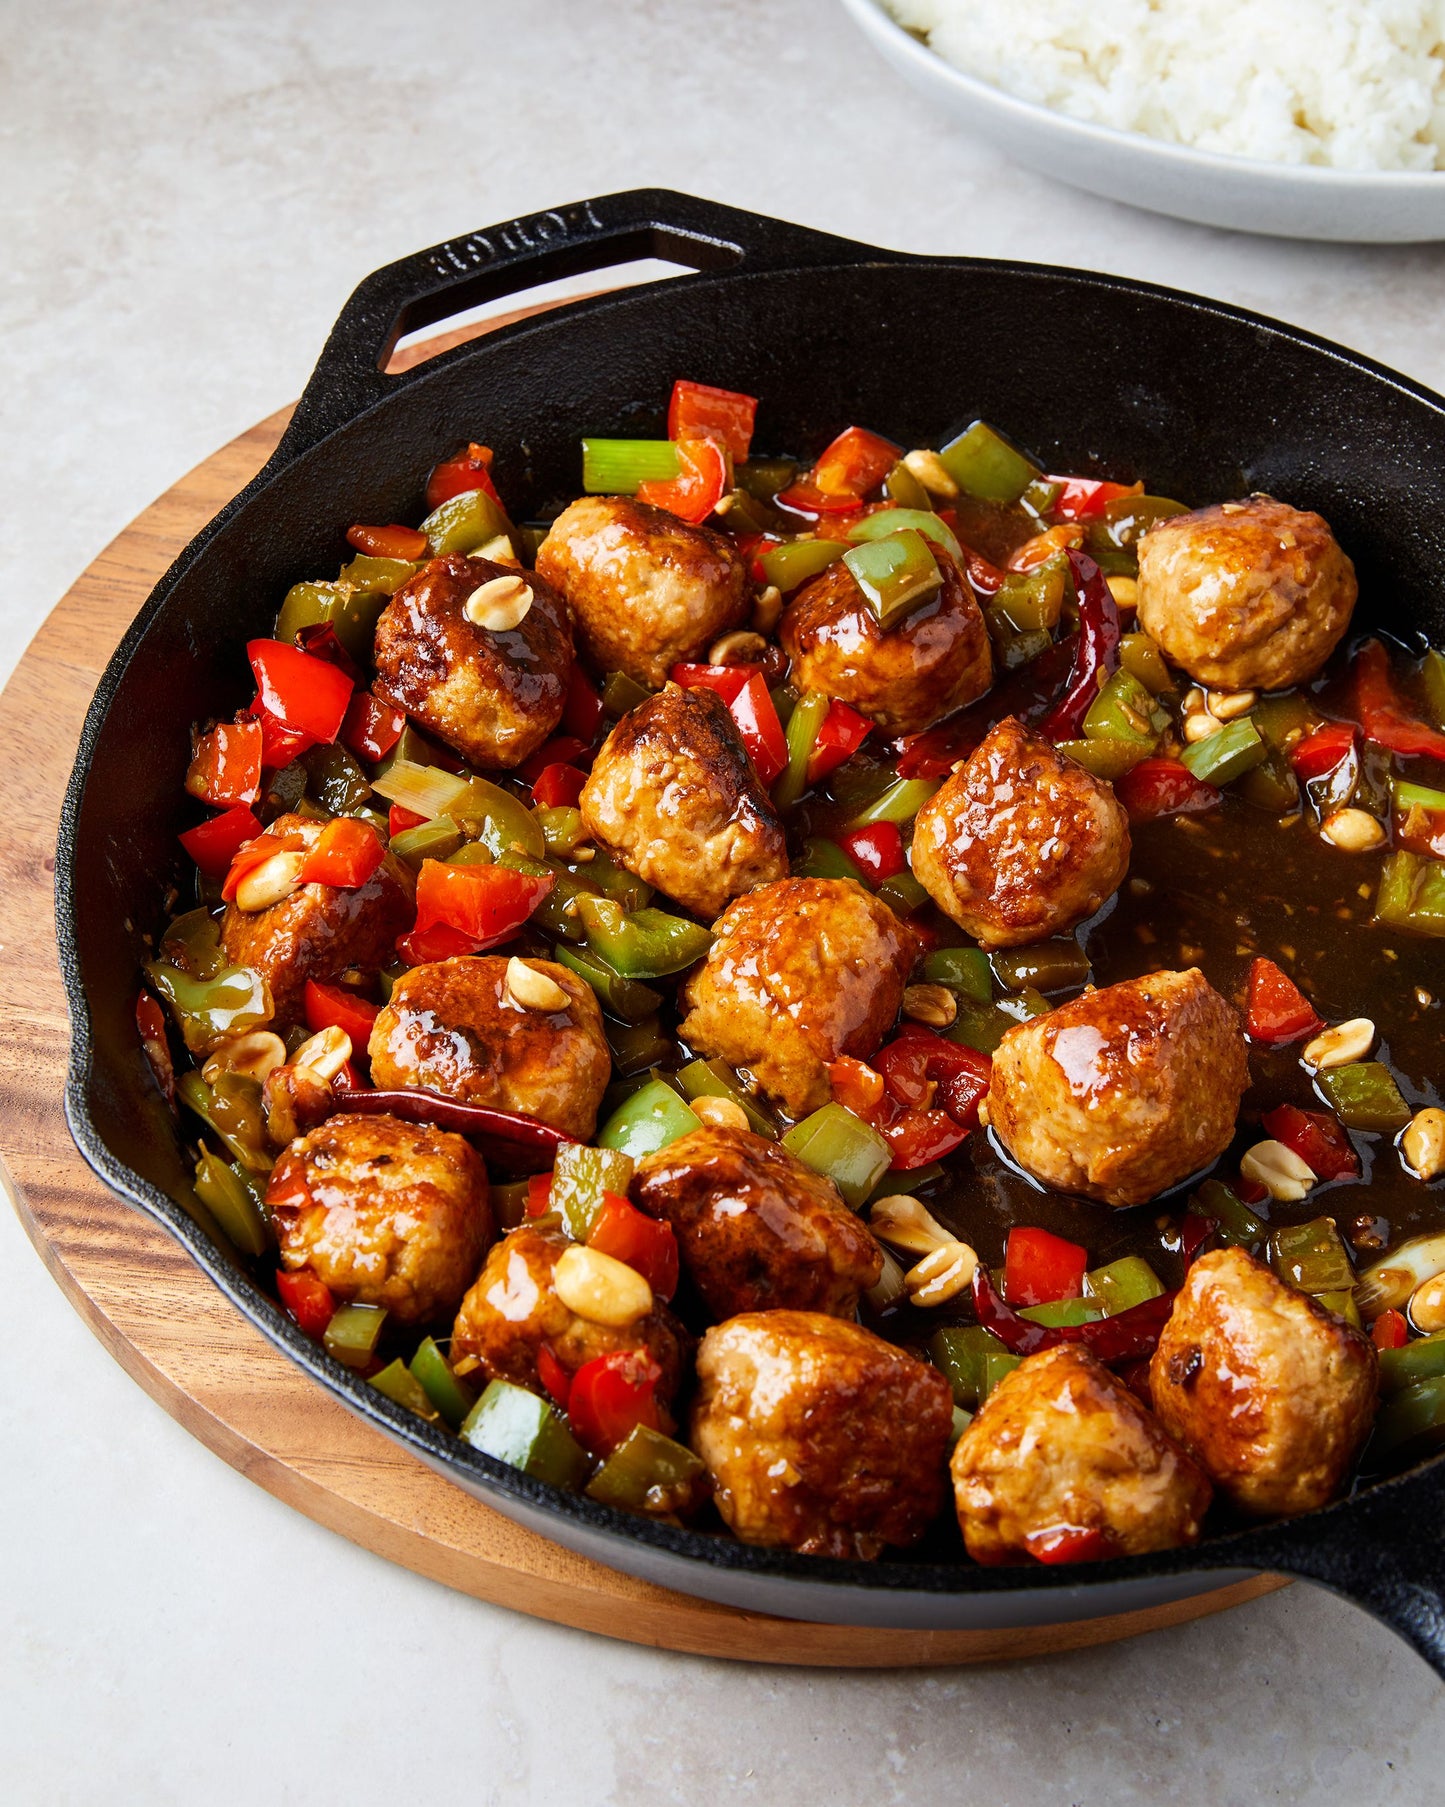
column 1422, row 1359
column 1059, row 1314
column 628, row 1000
column 1227, row 755
column 1432, row 684
column 764, row 477
column 377, row 576
column 979, row 1026
column 557, row 912
column 1033, row 601
column 808, row 716
column 1141, row 656
column 1411, row 1422
column 1107, row 759
column 1271, row 785
column 230, row 1002
column 335, row 780
column 1047, row 965
column 648, row 1472
column 963, row 969
column 911, row 1180
column 400, row 1385
column 234, row 1202
column 796, row 562
column 637, row 1046
column 231, row 1110
column 1311, row 1257
column 464, row 523
column 896, row 575
column 902, row 487
column 615, row 467
column 1123, row 710
column 517, row 1427
column 451, row 1397
column 920, row 519
column 193, row 944
column 1364, row 1095
column 844, row 1148
column 647, row 944
column 651, row 1118
column 1283, row 719
column 562, row 829
column 822, row 858
column 1112, row 535
column 1412, row 894
column 354, row 1332
column 982, row 462
column 435, row 840
column 1122, row 1284
column 1239, row 1227
column 500, row 821
column 351, row 613
column 900, row 803
column 972, row 1359
column 605, row 876
column 1343, row 1305
column 620, row 694
column 580, row 1177
column 715, row 1079
column 903, row 894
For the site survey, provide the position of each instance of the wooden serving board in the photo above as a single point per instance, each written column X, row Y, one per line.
column 175, row 1334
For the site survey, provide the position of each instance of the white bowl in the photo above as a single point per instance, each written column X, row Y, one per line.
column 1290, row 200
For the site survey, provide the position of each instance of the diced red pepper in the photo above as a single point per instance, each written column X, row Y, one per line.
column 1194, row 1232
column 1081, row 498
column 1249, row 1192
column 698, row 411
column 1391, row 1330
column 1318, row 1139
column 726, row 680
column 558, row 786
column 345, row 855
column 1320, row 752
column 919, row 1066
column 255, row 853
column 481, row 905
column 1277, row 1011
column 539, row 1195
column 1163, row 787
column 214, row 843
column 371, row 727
column 582, row 713
column 1128, row 1336
column 455, row 476
column 1383, row 716
column 319, row 639
column 805, row 498
column 308, row 1300
column 856, row 462
column 562, row 749
column 842, row 732
column 645, row 1243
column 398, row 820
column 1040, row 1267
column 426, row 946
column 917, row 1138
column 611, row 1395
column 389, row 542
column 306, row 695
column 762, row 732
column 704, row 477
column 349, row 1079
column 333, row 1007
column 856, row 1086
column 985, row 576
column 1097, row 654
column 1072, row 1543
column 554, row 1376
column 876, row 850
column 226, row 766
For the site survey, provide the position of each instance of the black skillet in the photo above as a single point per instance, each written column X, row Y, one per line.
column 1092, row 372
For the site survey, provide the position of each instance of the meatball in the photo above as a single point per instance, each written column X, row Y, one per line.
column 384, row 1212
column 674, row 795
column 645, row 589
column 819, row 1436
column 454, row 1028
column 756, row 1229
column 1121, row 1093
column 905, row 678
column 493, row 694
column 1254, row 595
column 1062, row 1445
column 801, row 972
column 319, row 930
column 1020, row 842
column 1274, row 1394
column 512, row 1309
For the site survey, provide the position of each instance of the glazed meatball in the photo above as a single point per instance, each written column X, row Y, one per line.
column 645, row 589
column 1253, row 595
column 674, row 795
column 801, row 972
column 905, row 679
column 1021, row 842
column 319, row 930
column 756, row 1229
column 512, row 1309
column 493, row 694
column 384, row 1212
column 1121, row 1093
column 1274, row 1394
column 454, row 1028
column 1062, row 1445
column 819, row 1436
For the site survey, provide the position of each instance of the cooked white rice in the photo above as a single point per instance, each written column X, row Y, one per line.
column 1357, row 84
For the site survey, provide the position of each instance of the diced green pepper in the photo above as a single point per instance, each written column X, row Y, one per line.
column 1108, row 759
column 715, row 1079
column 604, row 875
column 1111, row 536
column 465, row 523
column 961, row 1422
column 843, row 1147
column 802, row 732
column 1311, row 1257
column 1271, row 785
column 912, row 1180
column 517, row 1427
column 648, row 944
column 822, row 858
column 1058, row 1314
column 648, row 1472
column 637, row 1046
column 615, row 467
column 627, row 999
column 920, row 520
column 500, row 821
column 889, row 1287
column 1031, row 601
column 796, row 562
column 1283, row 719
column 557, row 912
column 1227, row 755
column 651, row 1118
column 973, row 1360
column 1048, row 965
column 1343, row 1305
column 580, row 1177
column 1432, row 685
column 1024, row 1005
column 562, row 829
column 1238, row 1226
column 335, row 780
column 1142, row 657
column 230, row 1002
column 903, row 894
column 234, row 1202
column 193, row 943
column 352, row 614
column 354, row 1332
column 1122, row 1284
column 1415, row 796
column 413, row 748
column 435, row 840
column 1422, row 1359
column 398, row 1382
column 231, row 1109
column 620, row 693
column 471, row 853
column 377, row 576
column 1123, row 710
column 1412, row 894
column 962, row 969
column 980, row 1026
column 902, row 487
column 1410, row 1422
column 750, row 514
column 900, row 803
column 896, row 575
column 764, row 477
column 452, row 1397
column 1041, row 496
column 509, row 1202
column 982, row 462
column 1364, row 1095
column 785, row 701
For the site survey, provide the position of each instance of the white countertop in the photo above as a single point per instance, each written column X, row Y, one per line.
column 189, row 195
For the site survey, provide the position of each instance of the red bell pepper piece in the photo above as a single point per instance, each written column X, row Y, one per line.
column 483, row 905
column 726, row 680
column 214, row 843
column 1319, row 753
column 1098, row 650
column 371, row 727
column 986, row 577
column 916, row 1138
column 1126, row 1337
column 698, row 411
column 1318, row 1139
column 558, row 786
column 306, row 695
column 856, row 1086
column 562, row 749
column 319, row 639
column 1040, row 1267
column 1391, row 1330
column 398, row 820
column 842, row 732
column 389, row 542
column 226, row 766
column 611, row 1395
column 1277, row 1011
column 1383, row 717
column 877, row 850
column 539, row 1195
column 1081, row 498
column 762, row 732
column 346, row 853
column 425, row 947
column 645, row 1243
column 333, row 1007
column 919, row 1065
column 856, row 462
column 279, row 744
column 1163, row 787
column 805, row 498
column 467, row 470
column 554, row 1376
column 1194, row 1232
column 308, row 1300
column 582, row 713
column 704, row 476
column 1072, row 1543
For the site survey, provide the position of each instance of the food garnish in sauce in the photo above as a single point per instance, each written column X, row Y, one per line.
column 790, row 994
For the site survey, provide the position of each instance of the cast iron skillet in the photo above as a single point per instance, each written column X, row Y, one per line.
column 1092, row 372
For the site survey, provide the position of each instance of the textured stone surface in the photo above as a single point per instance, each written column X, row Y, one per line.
column 189, row 195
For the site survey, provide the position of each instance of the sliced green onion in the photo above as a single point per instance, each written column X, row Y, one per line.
column 889, row 1287
column 1388, row 1283
column 1416, row 796
column 983, row 462
column 615, row 467
column 842, row 1147
column 896, row 575
column 425, row 790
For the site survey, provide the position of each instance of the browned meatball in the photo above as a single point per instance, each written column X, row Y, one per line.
column 645, row 589
column 384, row 1212
column 1061, row 1445
column 512, row 1309
column 1254, row 595
column 756, row 1229
column 674, row 795
column 905, row 679
column 319, row 930
column 493, row 694
column 819, row 1436
column 1121, row 1093
column 453, row 1027
column 1274, row 1394
column 801, row 971
column 1020, row 842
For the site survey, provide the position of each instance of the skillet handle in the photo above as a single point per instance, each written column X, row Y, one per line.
column 447, row 279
